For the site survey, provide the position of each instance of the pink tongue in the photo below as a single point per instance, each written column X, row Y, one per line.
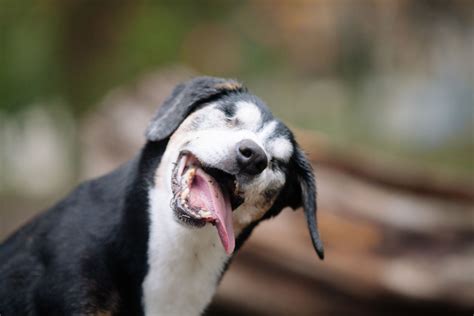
column 205, row 193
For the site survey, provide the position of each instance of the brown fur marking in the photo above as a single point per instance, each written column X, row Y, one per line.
column 229, row 85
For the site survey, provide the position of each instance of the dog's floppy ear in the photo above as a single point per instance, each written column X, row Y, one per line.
column 183, row 100
column 300, row 190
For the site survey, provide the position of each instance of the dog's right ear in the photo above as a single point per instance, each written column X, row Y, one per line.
column 300, row 190
column 183, row 100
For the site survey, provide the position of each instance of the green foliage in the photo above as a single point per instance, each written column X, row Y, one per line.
column 28, row 55
column 40, row 59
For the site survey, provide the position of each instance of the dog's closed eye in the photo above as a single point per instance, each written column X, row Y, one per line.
column 229, row 109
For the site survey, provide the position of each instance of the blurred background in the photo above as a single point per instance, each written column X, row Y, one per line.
column 380, row 94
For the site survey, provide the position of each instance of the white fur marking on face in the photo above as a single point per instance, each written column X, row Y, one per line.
column 267, row 131
column 281, row 148
column 248, row 115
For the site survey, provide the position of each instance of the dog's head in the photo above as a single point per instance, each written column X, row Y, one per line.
column 233, row 163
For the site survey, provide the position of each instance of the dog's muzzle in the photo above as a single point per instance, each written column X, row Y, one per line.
column 208, row 194
column 203, row 194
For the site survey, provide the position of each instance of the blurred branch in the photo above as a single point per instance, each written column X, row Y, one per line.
column 90, row 35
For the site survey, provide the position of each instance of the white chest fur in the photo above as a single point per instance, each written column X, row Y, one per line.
column 184, row 263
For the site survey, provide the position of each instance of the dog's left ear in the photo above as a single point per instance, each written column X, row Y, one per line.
column 183, row 100
column 300, row 190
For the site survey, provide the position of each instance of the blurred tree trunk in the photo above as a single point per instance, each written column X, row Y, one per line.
column 90, row 35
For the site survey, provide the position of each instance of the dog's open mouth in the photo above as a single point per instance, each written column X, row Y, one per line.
column 205, row 195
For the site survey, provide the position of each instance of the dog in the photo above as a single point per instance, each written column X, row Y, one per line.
column 155, row 236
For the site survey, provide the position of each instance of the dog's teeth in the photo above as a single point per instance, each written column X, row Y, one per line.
column 236, row 187
column 186, row 178
column 184, row 194
column 189, row 176
column 205, row 213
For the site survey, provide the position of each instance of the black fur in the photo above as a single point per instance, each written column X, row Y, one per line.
column 88, row 253
column 229, row 108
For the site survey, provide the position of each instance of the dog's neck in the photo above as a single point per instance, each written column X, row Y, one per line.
column 185, row 263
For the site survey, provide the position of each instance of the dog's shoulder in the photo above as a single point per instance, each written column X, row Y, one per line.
column 65, row 252
column 100, row 197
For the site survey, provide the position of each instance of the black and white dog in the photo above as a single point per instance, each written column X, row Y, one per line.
column 154, row 236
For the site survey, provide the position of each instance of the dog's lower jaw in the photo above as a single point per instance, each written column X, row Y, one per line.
column 185, row 263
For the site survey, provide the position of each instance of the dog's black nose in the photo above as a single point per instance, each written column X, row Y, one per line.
column 251, row 158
